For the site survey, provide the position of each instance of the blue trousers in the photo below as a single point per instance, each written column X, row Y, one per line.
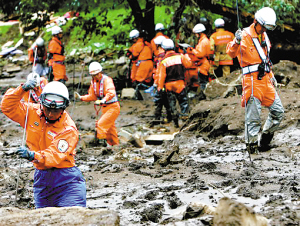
column 59, row 188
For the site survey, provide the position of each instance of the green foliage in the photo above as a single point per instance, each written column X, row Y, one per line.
column 4, row 29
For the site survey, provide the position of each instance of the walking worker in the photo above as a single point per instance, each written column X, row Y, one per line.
column 34, row 94
column 56, row 56
column 160, row 98
column 218, row 43
column 103, row 91
column 37, row 55
column 51, row 140
column 171, row 79
column 202, row 51
column 140, row 54
column 252, row 48
column 159, row 30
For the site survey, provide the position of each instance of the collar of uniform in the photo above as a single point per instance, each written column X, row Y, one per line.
column 252, row 31
column 169, row 53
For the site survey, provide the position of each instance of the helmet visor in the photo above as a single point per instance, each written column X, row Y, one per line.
column 269, row 27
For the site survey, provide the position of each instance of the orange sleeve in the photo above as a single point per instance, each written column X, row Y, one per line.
column 161, row 76
column 52, row 156
column 12, row 107
column 91, row 96
column 109, row 89
column 30, row 55
column 186, row 61
column 202, row 49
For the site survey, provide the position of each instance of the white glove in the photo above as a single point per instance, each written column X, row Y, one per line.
column 238, row 36
column 274, row 81
column 100, row 102
column 77, row 96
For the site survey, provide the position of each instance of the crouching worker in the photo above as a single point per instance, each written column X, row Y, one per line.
column 51, row 140
column 103, row 91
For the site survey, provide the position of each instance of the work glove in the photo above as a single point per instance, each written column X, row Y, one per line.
column 25, row 153
column 77, row 96
column 100, row 102
column 238, row 36
column 274, row 81
column 31, row 83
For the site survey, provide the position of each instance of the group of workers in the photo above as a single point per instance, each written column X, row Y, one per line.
column 52, row 136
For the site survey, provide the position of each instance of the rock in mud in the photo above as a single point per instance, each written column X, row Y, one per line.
column 58, row 216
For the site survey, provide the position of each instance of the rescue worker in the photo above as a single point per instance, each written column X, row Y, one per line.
column 102, row 90
column 252, row 48
column 34, row 94
column 140, row 54
column 159, row 30
column 56, row 56
column 218, row 43
column 37, row 55
column 160, row 98
column 171, row 78
column 51, row 140
column 202, row 51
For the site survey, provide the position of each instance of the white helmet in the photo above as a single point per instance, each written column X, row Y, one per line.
column 34, row 76
column 159, row 27
column 167, row 44
column 95, row 68
column 134, row 34
column 39, row 42
column 56, row 30
column 266, row 17
column 158, row 40
column 219, row 23
column 55, row 95
column 199, row 28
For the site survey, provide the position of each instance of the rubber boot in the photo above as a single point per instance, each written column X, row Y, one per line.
column 265, row 140
column 252, row 148
column 102, row 143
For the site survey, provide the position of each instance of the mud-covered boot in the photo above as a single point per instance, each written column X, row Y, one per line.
column 102, row 143
column 265, row 140
column 252, row 148
column 176, row 123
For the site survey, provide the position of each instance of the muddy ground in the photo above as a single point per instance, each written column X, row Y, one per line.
column 209, row 161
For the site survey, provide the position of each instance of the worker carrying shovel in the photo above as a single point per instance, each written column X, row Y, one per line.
column 51, row 140
column 102, row 90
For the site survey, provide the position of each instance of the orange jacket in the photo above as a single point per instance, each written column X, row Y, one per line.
column 218, row 44
column 53, row 144
column 175, row 63
column 36, row 92
column 142, row 65
column 57, row 49
column 40, row 52
column 109, row 90
column 262, row 89
column 153, row 45
column 202, row 51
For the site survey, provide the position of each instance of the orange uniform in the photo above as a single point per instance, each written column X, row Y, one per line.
column 105, row 88
column 153, row 45
column 142, row 64
column 53, row 143
column 36, row 92
column 218, row 43
column 56, row 48
column 262, row 89
column 173, row 80
column 202, row 52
